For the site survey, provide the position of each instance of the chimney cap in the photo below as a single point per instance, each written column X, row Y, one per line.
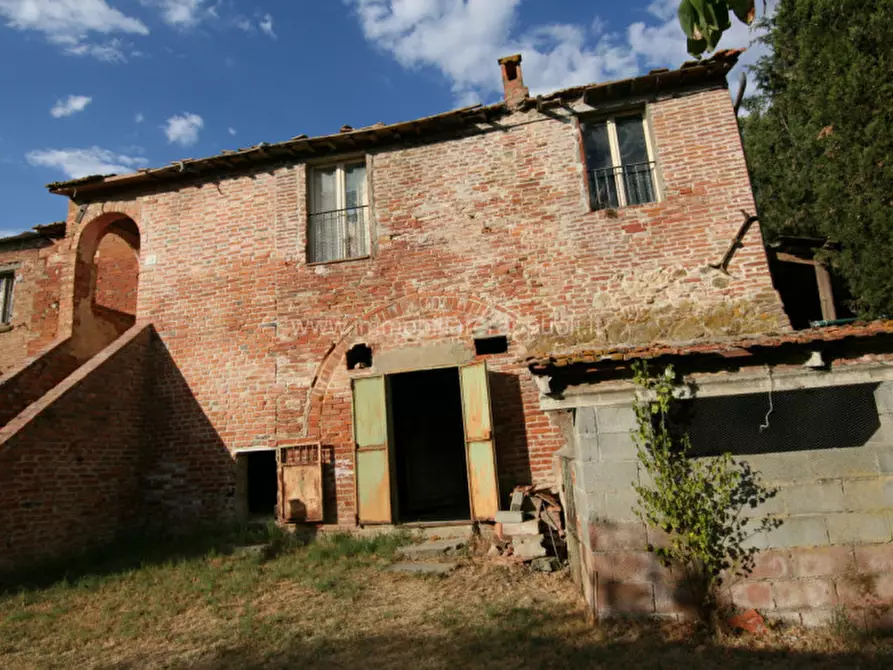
column 510, row 59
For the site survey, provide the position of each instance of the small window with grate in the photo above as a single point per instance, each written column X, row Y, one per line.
column 7, row 279
column 338, row 219
column 619, row 162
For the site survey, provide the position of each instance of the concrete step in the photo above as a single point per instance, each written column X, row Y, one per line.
column 422, row 568
column 432, row 549
column 462, row 532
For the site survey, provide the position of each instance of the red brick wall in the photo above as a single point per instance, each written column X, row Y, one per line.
column 69, row 465
column 24, row 384
column 494, row 227
column 36, row 299
column 117, row 274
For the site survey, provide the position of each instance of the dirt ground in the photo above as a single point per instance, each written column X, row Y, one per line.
column 332, row 604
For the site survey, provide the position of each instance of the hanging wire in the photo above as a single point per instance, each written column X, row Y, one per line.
column 765, row 423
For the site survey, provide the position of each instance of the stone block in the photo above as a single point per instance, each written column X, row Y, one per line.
column 620, row 506
column 822, row 561
column 629, row 566
column 884, row 456
column 782, row 468
column 868, row 494
column 505, row 517
column 775, row 564
column 808, row 531
column 531, row 527
column 802, row 593
column 625, row 598
column 817, row 618
column 588, row 448
column 609, row 476
column 884, row 433
column 617, row 447
column 858, row 527
column 616, row 536
column 875, row 559
column 615, row 419
column 584, row 421
column 756, row 595
column 773, row 506
column 528, row 546
column 883, row 398
column 842, row 463
column 813, row 498
column 860, row 590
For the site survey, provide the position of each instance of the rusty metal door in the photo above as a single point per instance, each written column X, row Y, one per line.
column 480, row 453
column 372, row 462
column 300, row 483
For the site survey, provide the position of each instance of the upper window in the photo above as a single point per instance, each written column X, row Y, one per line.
column 7, row 279
column 618, row 162
column 338, row 223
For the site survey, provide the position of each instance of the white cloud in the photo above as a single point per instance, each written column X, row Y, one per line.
column 76, row 163
column 109, row 52
column 71, row 105
column 231, row 131
column 464, row 38
column 183, row 129
column 71, row 22
column 139, row 118
column 266, row 26
column 183, row 13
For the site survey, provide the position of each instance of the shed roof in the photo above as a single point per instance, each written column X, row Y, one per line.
column 690, row 75
column 47, row 231
column 729, row 348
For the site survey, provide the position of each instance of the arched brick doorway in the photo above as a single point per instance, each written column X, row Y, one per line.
column 106, row 282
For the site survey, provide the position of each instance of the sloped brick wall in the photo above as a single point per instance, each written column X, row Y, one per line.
column 69, row 465
column 28, row 382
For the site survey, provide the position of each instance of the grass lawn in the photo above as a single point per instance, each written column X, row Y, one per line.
column 330, row 604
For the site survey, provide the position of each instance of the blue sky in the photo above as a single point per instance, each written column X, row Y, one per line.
column 98, row 86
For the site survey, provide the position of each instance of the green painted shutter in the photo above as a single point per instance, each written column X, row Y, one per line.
column 372, row 462
column 480, row 453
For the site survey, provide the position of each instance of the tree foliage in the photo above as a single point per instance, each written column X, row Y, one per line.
column 705, row 21
column 819, row 138
column 698, row 503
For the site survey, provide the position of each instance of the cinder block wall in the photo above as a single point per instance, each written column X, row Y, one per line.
column 833, row 549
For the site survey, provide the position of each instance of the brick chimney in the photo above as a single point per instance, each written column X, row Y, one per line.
column 513, row 81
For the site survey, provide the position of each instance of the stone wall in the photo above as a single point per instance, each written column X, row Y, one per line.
column 836, row 502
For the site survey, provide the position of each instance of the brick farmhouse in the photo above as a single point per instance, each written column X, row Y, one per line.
column 398, row 324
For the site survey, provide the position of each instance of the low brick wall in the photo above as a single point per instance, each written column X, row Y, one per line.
column 833, row 549
column 69, row 464
column 29, row 381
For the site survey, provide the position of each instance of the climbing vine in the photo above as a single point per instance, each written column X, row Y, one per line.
column 697, row 502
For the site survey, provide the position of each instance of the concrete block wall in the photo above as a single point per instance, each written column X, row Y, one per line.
column 834, row 548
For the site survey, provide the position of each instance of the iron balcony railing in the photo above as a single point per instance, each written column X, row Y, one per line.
column 338, row 234
column 631, row 184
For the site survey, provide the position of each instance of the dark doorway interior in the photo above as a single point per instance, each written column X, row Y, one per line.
column 429, row 446
column 263, row 486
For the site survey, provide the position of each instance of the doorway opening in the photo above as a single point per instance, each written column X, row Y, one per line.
column 261, row 482
column 429, row 446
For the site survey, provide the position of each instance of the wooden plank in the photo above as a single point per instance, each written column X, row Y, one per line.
column 480, row 452
column 826, row 292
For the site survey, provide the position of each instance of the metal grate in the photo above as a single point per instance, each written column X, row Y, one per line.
column 338, row 234
column 631, row 184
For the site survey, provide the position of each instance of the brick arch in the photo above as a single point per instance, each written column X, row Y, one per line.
column 93, row 326
column 428, row 304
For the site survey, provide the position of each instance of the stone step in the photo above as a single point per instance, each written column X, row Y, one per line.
column 432, row 548
column 422, row 568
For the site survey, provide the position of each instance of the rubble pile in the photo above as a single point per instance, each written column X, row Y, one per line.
column 531, row 531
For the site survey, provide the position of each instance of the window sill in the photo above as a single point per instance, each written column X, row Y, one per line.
column 338, row 261
column 5, row 327
column 614, row 212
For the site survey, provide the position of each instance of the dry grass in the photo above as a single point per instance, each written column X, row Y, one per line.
column 330, row 604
